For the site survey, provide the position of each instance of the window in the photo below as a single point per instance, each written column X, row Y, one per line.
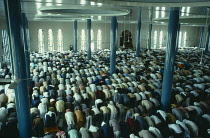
column 157, row 12
column 6, row 47
column 163, row 12
column 60, row 40
column 41, row 40
column 50, row 40
column 83, row 39
column 92, row 40
column 99, row 39
column 161, row 39
column 187, row 11
column 99, row 17
column 180, row 39
column 182, row 11
column 185, row 39
column 155, row 40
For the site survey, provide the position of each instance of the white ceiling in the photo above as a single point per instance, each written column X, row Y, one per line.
column 101, row 10
column 158, row 3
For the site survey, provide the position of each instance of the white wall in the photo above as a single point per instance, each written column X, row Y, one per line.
column 193, row 33
column 67, row 29
column 68, row 33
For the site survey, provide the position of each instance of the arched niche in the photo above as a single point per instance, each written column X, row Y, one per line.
column 126, row 39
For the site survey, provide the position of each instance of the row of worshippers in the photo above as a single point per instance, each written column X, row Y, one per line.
column 80, row 74
column 137, row 83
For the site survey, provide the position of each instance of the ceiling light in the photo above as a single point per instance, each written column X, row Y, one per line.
column 82, row 2
column 48, row 4
column 99, row 4
column 59, row 4
column 58, row 1
column 92, row 3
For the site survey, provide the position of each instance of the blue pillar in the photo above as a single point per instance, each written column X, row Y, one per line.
column 113, row 45
column 169, row 59
column 88, row 39
column 117, row 36
column 177, row 39
column 201, row 37
column 207, row 40
column 26, row 45
column 138, row 35
column 17, row 44
column 75, row 36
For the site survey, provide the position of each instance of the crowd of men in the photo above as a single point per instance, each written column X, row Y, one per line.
column 73, row 97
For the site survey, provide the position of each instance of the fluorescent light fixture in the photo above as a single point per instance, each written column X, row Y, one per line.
column 48, row 4
column 58, row 1
column 99, row 4
column 59, row 4
column 82, row 2
column 92, row 3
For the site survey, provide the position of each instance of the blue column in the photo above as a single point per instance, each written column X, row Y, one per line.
column 17, row 44
column 26, row 45
column 201, row 37
column 75, row 36
column 138, row 35
column 177, row 39
column 88, row 39
column 113, row 45
column 207, row 40
column 117, row 36
column 169, row 59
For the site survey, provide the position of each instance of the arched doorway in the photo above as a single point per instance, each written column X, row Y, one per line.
column 126, row 39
